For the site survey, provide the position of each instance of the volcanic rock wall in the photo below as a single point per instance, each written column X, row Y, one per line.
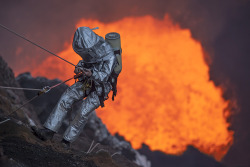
column 19, row 147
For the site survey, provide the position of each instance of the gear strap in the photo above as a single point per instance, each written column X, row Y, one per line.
column 87, row 84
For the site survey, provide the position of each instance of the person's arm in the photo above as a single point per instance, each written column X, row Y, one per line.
column 79, row 67
column 105, row 72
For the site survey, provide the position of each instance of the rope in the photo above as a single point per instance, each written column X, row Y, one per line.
column 61, row 83
column 4, row 121
column 32, row 89
column 33, row 98
column 46, row 89
column 35, row 44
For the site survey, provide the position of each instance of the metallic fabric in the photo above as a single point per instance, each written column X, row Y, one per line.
column 101, row 70
column 90, row 46
column 71, row 95
column 76, row 126
column 84, row 37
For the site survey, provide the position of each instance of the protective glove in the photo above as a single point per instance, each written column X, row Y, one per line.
column 79, row 67
column 78, row 70
column 87, row 72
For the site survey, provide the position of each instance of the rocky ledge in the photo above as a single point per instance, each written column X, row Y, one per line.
column 95, row 147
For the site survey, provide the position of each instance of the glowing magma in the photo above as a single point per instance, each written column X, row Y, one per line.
column 165, row 98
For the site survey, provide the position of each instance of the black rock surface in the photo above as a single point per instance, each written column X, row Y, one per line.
column 190, row 158
column 19, row 147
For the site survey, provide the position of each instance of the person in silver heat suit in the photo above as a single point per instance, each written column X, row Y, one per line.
column 98, row 61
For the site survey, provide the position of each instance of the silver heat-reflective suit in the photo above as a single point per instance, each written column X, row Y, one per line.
column 101, row 60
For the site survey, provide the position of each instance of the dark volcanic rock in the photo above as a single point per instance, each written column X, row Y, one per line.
column 94, row 130
column 19, row 144
column 20, row 148
column 190, row 158
column 7, row 77
column 11, row 99
column 8, row 98
column 45, row 103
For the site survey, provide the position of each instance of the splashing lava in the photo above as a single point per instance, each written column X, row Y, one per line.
column 165, row 98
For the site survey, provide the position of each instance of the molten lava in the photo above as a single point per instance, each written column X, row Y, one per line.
column 165, row 98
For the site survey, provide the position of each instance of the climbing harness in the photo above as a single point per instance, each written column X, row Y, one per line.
column 6, row 28
column 87, row 84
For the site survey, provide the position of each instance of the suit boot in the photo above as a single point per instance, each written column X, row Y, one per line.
column 43, row 134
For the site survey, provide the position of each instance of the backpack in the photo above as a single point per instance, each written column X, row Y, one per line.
column 114, row 40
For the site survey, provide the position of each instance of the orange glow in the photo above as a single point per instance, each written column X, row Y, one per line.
column 165, row 98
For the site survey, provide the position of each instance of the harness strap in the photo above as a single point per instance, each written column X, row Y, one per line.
column 87, row 84
column 114, row 88
column 102, row 97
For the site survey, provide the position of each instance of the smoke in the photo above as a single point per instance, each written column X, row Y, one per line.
column 222, row 27
column 50, row 23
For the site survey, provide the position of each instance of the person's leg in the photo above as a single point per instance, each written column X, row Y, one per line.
column 88, row 105
column 71, row 95
column 54, row 121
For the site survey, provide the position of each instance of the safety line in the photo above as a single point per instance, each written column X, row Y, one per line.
column 4, row 121
column 41, row 91
column 61, row 83
column 32, row 89
column 33, row 98
column 34, row 43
